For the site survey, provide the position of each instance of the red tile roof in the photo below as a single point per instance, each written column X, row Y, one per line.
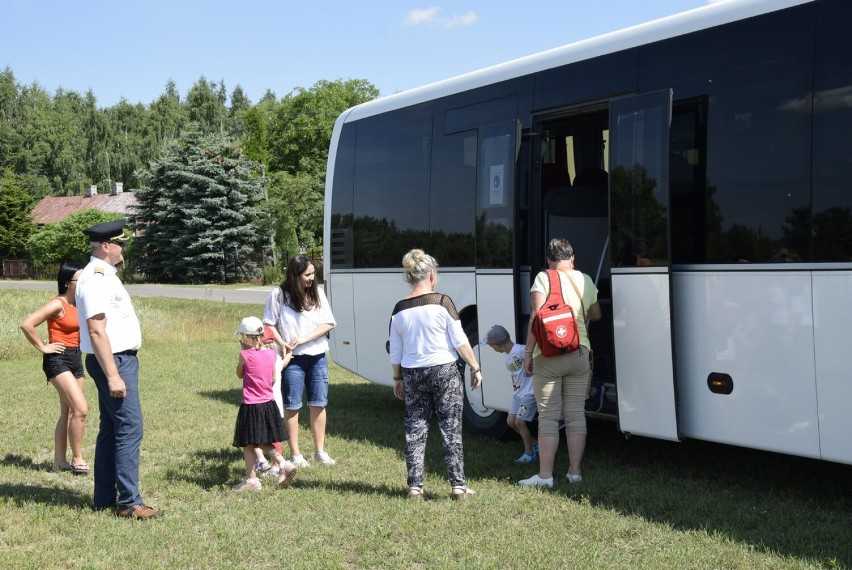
column 53, row 209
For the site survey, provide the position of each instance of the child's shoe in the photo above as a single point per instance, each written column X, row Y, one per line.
column 249, row 484
column 286, row 474
column 535, row 448
column 526, row 458
column 260, row 466
column 273, row 472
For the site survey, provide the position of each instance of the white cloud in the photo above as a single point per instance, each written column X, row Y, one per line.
column 432, row 18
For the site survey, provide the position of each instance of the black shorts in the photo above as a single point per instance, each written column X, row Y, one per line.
column 71, row 360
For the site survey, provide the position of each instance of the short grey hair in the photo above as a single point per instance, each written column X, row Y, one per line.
column 559, row 249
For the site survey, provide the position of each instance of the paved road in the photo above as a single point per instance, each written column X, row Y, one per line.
column 251, row 295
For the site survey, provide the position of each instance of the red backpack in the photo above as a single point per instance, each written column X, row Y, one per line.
column 555, row 324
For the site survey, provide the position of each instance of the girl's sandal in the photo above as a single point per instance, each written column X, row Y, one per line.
column 80, row 469
column 462, row 493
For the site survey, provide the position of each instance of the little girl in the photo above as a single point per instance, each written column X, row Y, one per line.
column 258, row 421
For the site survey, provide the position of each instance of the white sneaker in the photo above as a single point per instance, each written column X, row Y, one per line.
column 536, row 481
column 324, row 458
column 300, row 461
column 252, row 484
column 261, row 466
column 573, row 479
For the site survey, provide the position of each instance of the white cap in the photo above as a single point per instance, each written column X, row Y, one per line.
column 251, row 326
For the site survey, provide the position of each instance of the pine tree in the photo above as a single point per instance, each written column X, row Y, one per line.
column 198, row 215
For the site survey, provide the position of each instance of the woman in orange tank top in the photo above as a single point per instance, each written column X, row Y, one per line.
column 63, row 366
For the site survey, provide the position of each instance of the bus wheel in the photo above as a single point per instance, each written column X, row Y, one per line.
column 484, row 421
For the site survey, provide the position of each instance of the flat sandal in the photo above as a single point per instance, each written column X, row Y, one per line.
column 462, row 492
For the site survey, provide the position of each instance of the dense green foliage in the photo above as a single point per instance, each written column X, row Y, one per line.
column 198, row 216
column 15, row 206
column 66, row 240
column 58, row 144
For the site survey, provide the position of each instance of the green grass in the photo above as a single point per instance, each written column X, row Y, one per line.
column 644, row 504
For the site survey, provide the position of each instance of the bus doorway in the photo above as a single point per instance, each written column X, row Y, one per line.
column 573, row 194
column 603, row 185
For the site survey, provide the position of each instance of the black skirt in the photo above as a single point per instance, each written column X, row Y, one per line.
column 258, row 423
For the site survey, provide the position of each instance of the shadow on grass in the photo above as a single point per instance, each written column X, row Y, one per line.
column 23, row 494
column 207, row 468
column 15, row 460
column 233, row 396
column 758, row 498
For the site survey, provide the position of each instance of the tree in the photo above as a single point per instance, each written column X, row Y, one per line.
column 296, row 204
column 15, row 224
column 255, row 135
column 198, row 214
column 240, row 104
column 66, row 240
column 168, row 117
column 206, row 105
column 301, row 127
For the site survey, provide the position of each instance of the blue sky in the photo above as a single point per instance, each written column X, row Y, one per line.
column 131, row 48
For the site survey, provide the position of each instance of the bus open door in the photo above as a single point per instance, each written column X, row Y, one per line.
column 641, row 269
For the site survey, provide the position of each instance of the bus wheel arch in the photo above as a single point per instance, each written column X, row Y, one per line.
column 478, row 418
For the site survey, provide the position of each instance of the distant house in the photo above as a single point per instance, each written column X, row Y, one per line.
column 54, row 209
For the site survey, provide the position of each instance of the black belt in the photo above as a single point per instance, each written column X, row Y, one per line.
column 127, row 352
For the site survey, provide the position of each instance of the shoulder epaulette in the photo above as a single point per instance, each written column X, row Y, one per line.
column 99, row 271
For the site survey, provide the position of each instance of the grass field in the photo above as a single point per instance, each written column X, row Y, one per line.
column 643, row 503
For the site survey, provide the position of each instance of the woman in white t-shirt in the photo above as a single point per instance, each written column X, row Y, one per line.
column 301, row 318
column 426, row 339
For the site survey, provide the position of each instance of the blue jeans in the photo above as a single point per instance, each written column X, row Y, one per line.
column 119, row 435
column 306, row 371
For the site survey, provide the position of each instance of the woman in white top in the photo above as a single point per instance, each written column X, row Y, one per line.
column 301, row 317
column 426, row 339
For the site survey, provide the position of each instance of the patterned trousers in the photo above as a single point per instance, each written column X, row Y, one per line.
column 433, row 390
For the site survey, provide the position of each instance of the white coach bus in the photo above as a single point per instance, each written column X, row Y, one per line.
column 701, row 165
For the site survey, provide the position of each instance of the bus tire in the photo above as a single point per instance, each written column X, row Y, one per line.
column 490, row 423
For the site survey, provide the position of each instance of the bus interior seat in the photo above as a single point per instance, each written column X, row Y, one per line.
column 596, row 178
column 580, row 215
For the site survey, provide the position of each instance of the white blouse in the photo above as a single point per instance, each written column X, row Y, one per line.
column 290, row 323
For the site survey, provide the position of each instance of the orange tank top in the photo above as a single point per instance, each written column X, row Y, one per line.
column 65, row 329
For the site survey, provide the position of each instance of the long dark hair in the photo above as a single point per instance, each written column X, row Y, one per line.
column 294, row 297
column 67, row 269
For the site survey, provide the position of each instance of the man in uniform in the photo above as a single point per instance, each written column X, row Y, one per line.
column 110, row 336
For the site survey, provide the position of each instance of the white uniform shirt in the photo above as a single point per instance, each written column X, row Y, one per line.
column 290, row 323
column 100, row 291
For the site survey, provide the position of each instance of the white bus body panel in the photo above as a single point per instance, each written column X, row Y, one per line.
column 373, row 296
column 757, row 327
column 494, row 294
column 643, row 355
column 832, row 334
column 341, row 340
